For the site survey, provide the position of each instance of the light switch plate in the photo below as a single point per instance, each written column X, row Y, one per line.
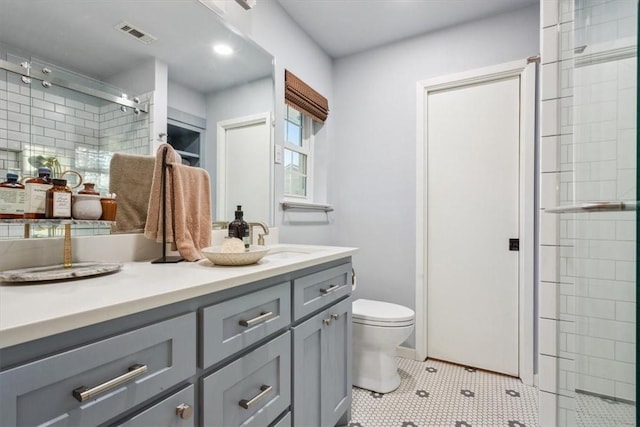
column 278, row 155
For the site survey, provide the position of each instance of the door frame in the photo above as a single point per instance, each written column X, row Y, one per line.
column 526, row 71
column 221, row 157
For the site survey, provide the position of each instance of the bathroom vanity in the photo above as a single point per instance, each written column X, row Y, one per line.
column 187, row 344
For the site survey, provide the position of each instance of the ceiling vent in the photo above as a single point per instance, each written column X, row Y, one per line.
column 246, row 4
column 138, row 34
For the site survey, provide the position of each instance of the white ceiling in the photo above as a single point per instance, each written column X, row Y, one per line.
column 79, row 35
column 344, row 27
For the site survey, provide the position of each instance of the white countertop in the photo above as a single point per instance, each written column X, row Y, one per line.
column 32, row 311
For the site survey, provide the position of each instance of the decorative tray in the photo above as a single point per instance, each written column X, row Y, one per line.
column 58, row 272
column 216, row 256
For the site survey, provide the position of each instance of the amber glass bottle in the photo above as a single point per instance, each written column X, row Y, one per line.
column 239, row 228
column 35, row 194
column 58, row 200
column 11, row 198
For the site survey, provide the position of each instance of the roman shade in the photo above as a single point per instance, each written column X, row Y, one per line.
column 302, row 97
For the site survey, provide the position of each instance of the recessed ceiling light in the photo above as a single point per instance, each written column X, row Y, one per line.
column 223, row 49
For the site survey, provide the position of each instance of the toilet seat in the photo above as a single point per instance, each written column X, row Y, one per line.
column 378, row 313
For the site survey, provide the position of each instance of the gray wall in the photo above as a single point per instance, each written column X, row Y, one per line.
column 374, row 160
column 366, row 150
column 292, row 48
column 186, row 100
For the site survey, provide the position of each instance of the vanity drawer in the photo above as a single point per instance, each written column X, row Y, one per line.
column 176, row 410
column 284, row 422
column 251, row 391
column 315, row 291
column 131, row 368
column 232, row 325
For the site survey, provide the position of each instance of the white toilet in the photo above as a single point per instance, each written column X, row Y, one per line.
column 378, row 328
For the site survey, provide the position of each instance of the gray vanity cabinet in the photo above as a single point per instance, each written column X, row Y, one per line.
column 274, row 352
column 318, row 290
column 174, row 411
column 251, row 391
column 322, row 367
column 89, row 385
column 230, row 326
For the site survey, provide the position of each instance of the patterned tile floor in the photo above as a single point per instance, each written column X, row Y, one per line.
column 439, row 394
column 593, row 411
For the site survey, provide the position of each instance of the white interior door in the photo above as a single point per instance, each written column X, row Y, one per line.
column 244, row 162
column 472, row 211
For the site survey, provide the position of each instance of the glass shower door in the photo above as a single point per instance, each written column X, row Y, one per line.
column 599, row 223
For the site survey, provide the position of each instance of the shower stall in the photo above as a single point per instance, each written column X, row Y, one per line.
column 588, row 297
column 57, row 118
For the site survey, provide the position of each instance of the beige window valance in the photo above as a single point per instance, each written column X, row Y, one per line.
column 304, row 98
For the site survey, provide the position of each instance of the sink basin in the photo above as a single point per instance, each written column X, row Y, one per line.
column 288, row 252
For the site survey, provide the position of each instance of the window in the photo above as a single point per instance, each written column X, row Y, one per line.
column 298, row 155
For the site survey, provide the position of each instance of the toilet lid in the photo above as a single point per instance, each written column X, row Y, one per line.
column 365, row 310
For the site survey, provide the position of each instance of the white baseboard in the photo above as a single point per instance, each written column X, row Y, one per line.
column 406, row 352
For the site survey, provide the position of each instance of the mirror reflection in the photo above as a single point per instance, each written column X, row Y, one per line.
column 215, row 109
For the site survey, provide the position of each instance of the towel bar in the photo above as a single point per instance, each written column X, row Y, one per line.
column 306, row 206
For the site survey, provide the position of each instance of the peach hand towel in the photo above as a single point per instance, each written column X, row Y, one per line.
column 130, row 178
column 188, row 207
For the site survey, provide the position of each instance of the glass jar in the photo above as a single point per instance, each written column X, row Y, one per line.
column 35, row 194
column 109, row 208
column 11, row 198
column 58, row 200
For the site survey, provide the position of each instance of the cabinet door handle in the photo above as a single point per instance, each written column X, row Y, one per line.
column 332, row 288
column 326, row 321
column 264, row 389
column 82, row 394
column 184, row 411
column 335, row 316
column 258, row 319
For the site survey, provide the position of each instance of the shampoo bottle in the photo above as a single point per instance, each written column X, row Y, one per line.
column 239, row 228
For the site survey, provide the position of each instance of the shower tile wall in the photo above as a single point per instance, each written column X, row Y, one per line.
column 556, row 327
column 80, row 131
column 587, row 288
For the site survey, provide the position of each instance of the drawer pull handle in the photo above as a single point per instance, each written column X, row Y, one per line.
column 82, row 394
column 264, row 389
column 184, row 411
column 330, row 289
column 258, row 319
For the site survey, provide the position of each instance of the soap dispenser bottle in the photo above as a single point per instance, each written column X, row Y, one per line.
column 239, row 228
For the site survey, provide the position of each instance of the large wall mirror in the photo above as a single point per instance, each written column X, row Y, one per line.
column 124, row 76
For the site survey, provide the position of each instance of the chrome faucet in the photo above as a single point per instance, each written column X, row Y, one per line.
column 264, row 227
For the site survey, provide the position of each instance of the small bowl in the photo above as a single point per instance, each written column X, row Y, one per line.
column 86, row 206
column 214, row 254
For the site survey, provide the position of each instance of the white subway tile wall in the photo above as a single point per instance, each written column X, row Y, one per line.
column 81, row 132
column 587, row 268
